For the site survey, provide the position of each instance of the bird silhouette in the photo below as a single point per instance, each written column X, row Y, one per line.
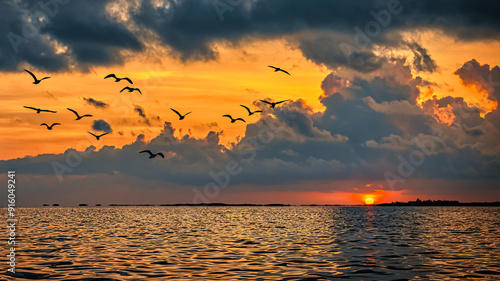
column 50, row 127
column 131, row 89
column 78, row 117
column 232, row 119
column 119, row 79
column 180, row 115
column 151, row 155
column 273, row 104
column 38, row 110
column 249, row 111
column 278, row 69
column 99, row 136
column 34, row 77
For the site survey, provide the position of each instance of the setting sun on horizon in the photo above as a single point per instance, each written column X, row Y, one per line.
column 369, row 201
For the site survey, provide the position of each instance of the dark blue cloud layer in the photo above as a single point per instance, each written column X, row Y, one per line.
column 31, row 30
column 190, row 28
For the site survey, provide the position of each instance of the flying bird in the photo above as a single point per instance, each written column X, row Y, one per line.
column 97, row 137
column 180, row 115
column 131, row 89
column 249, row 111
column 233, row 120
column 78, row 117
column 278, row 69
column 50, row 127
column 119, row 79
column 151, row 155
column 273, row 104
column 34, row 77
column 38, row 110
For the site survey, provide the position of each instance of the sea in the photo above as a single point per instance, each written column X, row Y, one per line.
column 255, row 243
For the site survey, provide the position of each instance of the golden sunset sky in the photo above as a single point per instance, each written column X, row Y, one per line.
column 209, row 89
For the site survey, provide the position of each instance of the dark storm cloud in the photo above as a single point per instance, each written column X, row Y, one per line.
column 101, row 126
column 96, row 103
column 32, row 28
column 21, row 42
column 340, row 33
column 92, row 36
column 191, row 27
column 324, row 50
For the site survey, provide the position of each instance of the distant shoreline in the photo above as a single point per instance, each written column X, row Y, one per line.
column 417, row 203
column 442, row 203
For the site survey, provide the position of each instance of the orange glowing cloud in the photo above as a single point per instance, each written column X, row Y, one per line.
column 481, row 98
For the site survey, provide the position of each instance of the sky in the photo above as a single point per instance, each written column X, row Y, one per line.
column 388, row 100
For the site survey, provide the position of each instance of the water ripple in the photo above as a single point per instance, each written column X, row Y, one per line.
column 258, row 243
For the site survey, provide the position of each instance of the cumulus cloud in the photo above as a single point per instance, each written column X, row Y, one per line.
column 473, row 73
column 486, row 79
column 332, row 84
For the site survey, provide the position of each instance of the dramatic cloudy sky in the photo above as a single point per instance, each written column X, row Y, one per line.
column 393, row 100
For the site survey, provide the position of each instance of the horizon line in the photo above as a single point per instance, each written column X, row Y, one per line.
column 416, row 203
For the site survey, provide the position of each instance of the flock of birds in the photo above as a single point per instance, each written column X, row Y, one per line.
column 130, row 89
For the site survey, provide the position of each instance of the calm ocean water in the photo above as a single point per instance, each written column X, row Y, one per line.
column 257, row 243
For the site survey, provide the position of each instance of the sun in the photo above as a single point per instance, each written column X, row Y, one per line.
column 369, row 201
